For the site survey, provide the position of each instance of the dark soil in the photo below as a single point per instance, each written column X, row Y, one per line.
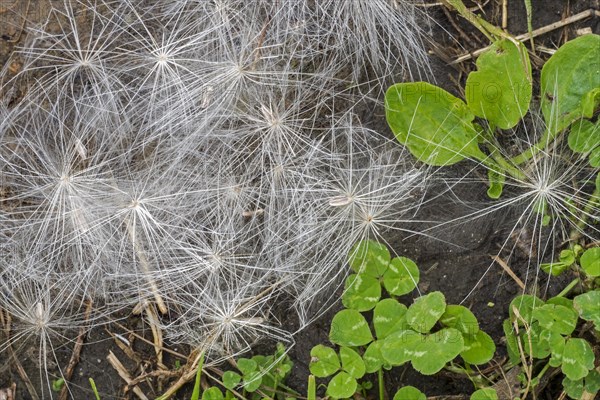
column 457, row 261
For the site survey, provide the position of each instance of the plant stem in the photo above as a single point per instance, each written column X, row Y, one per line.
column 507, row 166
column 312, row 388
column 547, row 138
column 489, row 30
column 196, row 390
column 568, row 288
column 380, row 384
column 501, row 165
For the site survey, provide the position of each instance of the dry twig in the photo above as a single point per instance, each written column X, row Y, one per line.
column 509, row 271
column 75, row 356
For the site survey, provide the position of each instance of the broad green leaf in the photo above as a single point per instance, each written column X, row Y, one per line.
column 525, row 304
column 485, row 394
column 373, row 357
column 352, row 363
column 434, row 125
column 398, row 347
column 369, row 257
column 342, row 386
column 556, row 318
column 461, row 318
column 590, row 260
column 231, row 379
column 500, row 89
column 388, row 317
column 584, row 136
column 594, row 158
column 578, row 359
column 431, row 355
column 361, row 292
column 246, row 365
column 350, row 328
column 212, row 393
column 425, row 311
column 409, row 393
column 401, row 277
column 588, row 306
column 570, row 82
column 479, row 348
column 324, row 361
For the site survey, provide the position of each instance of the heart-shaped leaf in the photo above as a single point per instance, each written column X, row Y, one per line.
column 369, row 257
column 401, row 276
column 556, row 318
column 389, row 317
column 212, row 393
column 324, row 361
column 373, row 357
column 398, row 347
column 479, row 348
column 361, row 292
column 352, row 363
column 524, row 305
column 432, row 354
column 461, row 318
column 425, row 311
column 588, row 306
column 342, row 386
column 409, row 393
column 349, row 328
column 578, row 359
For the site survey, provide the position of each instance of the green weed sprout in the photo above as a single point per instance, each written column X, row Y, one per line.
column 398, row 334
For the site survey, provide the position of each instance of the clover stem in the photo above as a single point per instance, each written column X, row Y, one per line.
column 543, row 371
column 380, row 384
column 568, row 288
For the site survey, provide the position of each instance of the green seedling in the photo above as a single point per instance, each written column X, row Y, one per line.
column 58, row 384
column 429, row 334
column 547, row 331
column 374, row 267
column 588, row 260
column 266, row 373
column 196, row 390
column 94, row 388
